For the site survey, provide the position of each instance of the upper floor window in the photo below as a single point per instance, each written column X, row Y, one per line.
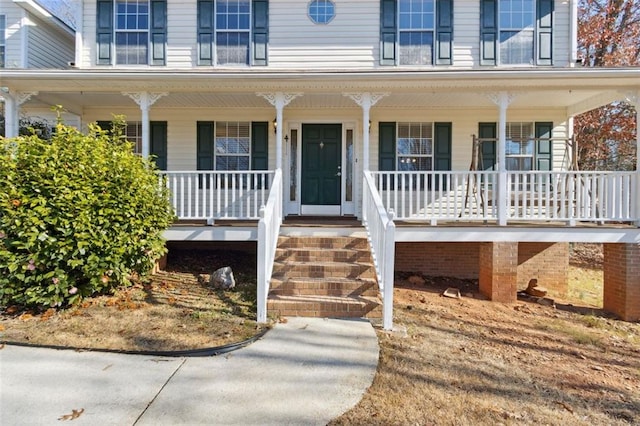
column 3, row 25
column 133, row 32
column 416, row 25
column 516, row 32
column 232, row 32
column 416, row 32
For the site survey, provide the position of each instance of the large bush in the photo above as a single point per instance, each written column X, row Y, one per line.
column 79, row 215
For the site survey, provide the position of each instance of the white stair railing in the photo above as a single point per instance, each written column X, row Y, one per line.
column 381, row 236
column 268, row 231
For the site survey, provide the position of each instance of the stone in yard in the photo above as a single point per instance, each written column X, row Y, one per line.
column 533, row 289
column 223, row 279
column 452, row 292
column 416, row 280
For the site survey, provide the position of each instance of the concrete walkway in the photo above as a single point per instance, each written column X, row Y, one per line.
column 307, row 371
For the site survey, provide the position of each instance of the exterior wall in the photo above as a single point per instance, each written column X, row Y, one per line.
column 49, row 48
column 465, row 123
column 350, row 41
column 622, row 280
column 15, row 34
column 546, row 262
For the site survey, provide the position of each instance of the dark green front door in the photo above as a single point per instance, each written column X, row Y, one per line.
column 321, row 165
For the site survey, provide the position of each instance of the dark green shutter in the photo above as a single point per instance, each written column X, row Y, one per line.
column 205, row 145
column 388, row 31
column 488, row 148
column 259, row 145
column 444, row 32
column 104, row 31
column 105, row 125
column 442, row 146
column 387, row 146
column 260, row 31
column 159, row 143
column 545, row 32
column 158, row 34
column 206, row 29
column 544, row 148
column 488, row 32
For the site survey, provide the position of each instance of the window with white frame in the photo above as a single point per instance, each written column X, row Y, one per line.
column 3, row 27
column 233, row 29
column 414, row 146
column 132, row 32
column 517, row 28
column 520, row 146
column 416, row 28
column 232, row 145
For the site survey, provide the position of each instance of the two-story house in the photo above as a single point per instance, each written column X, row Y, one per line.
column 31, row 37
column 445, row 126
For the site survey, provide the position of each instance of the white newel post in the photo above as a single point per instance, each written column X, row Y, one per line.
column 279, row 100
column 502, row 100
column 634, row 99
column 12, row 102
column 145, row 100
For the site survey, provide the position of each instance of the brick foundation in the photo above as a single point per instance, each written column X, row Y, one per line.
column 499, row 271
column 622, row 280
column 546, row 262
column 459, row 260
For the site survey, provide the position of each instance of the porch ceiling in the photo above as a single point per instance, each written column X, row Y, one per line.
column 576, row 90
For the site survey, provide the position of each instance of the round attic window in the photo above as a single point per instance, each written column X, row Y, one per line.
column 322, row 11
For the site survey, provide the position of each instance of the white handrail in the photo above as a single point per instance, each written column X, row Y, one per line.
column 206, row 194
column 381, row 236
column 268, row 231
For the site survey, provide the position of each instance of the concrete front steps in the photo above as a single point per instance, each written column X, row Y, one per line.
column 324, row 277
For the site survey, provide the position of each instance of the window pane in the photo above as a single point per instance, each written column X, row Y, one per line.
column 232, row 48
column 416, row 14
column 293, row 166
column 516, row 47
column 416, row 48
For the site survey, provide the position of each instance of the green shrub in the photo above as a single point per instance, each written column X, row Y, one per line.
column 79, row 215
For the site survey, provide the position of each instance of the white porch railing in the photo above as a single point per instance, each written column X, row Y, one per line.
column 530, row 196
column 268, row 231
column 381, row 236
column 218, row 194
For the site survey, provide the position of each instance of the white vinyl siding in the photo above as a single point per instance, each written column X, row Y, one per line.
column 49, row 48
column 350, row 40
column 15, row 35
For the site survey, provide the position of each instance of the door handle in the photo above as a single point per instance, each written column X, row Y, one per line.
column 338, row 174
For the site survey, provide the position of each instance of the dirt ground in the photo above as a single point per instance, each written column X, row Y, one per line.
column 469, row 361
column 170, row 311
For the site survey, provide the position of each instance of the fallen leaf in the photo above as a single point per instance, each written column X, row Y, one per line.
column 26, row 317
column 1, row 327
column 107, row 367
column 565, row 406
column 74, row 415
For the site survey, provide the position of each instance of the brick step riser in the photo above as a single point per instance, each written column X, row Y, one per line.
column 326, row 288
column 346, row 270
column 283, row 311
column 323, row 292
column 323, row 243
column 322, row 256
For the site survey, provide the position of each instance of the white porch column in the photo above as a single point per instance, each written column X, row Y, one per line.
column 634, row 99
column 279, row 100
column 365, row 101
column 144, row 101
column 12, row 102
column 502, row 100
